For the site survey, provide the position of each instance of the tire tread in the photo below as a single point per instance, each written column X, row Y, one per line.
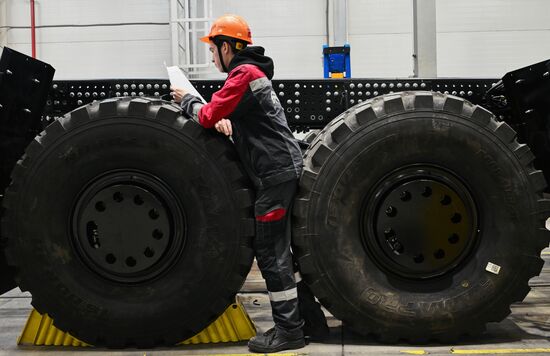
column 342, row 129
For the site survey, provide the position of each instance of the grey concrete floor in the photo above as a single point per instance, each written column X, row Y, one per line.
column 525, row 331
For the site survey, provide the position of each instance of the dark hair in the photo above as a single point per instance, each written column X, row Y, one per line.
column 235, row 44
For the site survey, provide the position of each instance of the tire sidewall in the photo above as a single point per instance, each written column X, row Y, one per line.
column 497, row 183
column 180, row 297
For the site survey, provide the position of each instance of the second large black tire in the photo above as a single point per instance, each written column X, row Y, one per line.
column 129, row 224
column 419, row 217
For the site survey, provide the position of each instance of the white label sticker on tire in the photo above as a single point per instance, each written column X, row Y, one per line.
column 491, row 267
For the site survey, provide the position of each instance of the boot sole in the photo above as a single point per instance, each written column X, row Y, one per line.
column 290, row 345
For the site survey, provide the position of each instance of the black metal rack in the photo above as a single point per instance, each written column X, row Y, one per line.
column 308, row 103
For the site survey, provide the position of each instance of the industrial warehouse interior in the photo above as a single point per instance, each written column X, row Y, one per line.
column 311, row 177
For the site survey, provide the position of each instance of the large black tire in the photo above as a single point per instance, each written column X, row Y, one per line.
column 311, row 135
column 408, row 205
column 136, row 170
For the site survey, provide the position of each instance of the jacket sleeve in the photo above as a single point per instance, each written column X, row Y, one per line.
column 225, row 100
column 190, row 105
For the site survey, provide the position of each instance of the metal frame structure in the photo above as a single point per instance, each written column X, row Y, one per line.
column 308, row 104
column 190, row 20
column 337, row 22
column 425, row 38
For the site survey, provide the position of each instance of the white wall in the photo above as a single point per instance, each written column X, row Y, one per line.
column 3, row 22
column 474, row 38
column 292, row 32
column 98, row 51
column 381, row 38
column 490, row 37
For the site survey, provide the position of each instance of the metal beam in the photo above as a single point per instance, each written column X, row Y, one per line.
column 3, row 22
column 425, row 39
column 174, row 32
column 337, row 22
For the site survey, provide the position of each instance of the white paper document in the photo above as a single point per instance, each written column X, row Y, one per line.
column 178, row 79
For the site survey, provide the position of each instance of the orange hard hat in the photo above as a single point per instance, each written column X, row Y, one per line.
column 230, row 26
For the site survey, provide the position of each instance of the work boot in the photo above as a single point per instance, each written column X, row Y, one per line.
column 276, row 339
column 315, row 324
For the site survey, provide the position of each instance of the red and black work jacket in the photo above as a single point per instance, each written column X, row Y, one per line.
column 266, row 146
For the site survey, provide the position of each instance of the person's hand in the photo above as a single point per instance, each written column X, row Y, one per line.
column 177, row 93
column 224, row 126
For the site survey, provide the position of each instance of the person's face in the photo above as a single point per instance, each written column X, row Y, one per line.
column 216, row 57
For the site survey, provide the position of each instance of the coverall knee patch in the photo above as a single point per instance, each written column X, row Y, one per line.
column 273, row 215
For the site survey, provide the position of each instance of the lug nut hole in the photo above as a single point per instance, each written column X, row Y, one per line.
column 157, row 234
column 427, row 192
column 418, row 258
column 446, row 200
column 439, row 254
column 118, row 197
column 453, row 239
column 154, row 214
column 100, row 206
column 456, row 218
column 149, row 252
column 405, row 196
column 110, row 258
column 391, row 211
column 131, row 262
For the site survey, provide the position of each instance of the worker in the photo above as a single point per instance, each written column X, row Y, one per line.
column 247, row 108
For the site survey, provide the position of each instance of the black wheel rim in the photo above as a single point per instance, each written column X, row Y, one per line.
column 128, row 226
column 420, row 222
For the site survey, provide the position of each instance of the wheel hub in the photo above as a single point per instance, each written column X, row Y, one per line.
column 128, row 227
column 421, row 223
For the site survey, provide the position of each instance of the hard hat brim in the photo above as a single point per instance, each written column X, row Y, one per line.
column 208, row 39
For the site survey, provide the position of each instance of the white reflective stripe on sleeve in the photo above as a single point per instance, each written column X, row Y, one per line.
column 259, row 84
column 284, row 295
column 196, row 108
column 297, row 277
